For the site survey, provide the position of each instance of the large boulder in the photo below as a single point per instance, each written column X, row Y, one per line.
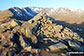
column 57, row 47
column 76, row 45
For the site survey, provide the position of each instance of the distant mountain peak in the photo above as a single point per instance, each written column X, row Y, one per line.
column 23, row 14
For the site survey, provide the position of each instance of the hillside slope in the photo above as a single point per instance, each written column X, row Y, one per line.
column 24, row 32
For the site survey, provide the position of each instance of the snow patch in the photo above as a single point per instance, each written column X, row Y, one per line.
column 28, row 13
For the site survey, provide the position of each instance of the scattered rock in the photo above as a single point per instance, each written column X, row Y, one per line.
column 28, row 48
column 37, row 51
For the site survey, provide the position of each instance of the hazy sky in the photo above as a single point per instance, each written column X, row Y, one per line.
column 74, row 4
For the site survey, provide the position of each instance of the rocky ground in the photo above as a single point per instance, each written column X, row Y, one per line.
column 39, row 36
column 71, row 18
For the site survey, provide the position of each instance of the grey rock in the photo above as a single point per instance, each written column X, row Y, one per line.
column 76, row 45
column 57, row 47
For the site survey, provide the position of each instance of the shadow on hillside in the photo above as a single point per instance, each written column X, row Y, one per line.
column 23, row 15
